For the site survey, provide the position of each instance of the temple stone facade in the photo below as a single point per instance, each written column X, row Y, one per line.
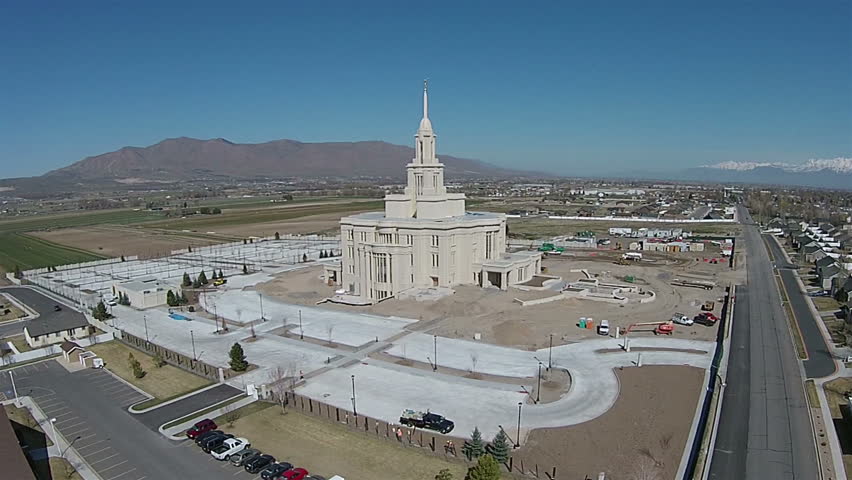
column 425, row 237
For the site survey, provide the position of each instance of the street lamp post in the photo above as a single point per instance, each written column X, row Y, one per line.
column 301, row 331
column 145, row 318
column 192, row 336
column 538, row 390
column 518, row 441
column 14, row 388
column 260, row 296
column 550, row 354
column 354, row 409
column 435, row 362
column 53, row 430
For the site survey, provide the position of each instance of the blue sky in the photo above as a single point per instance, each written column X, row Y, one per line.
column 560, row 86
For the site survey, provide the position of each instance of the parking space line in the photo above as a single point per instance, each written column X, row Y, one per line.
column 67, row 419
column 114, row 388
column 113, row 466
column 76, row 424
column 97, row 451
column 77, row 432
column 89, row 445
column 51, row 410
column 89, row 436
column 121, row 474
column 105, row 458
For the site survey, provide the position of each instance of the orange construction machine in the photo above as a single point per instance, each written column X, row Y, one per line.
column 662, row 328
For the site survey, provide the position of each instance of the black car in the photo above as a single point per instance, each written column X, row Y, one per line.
column 214, row 442
column 258, row 463
column 205, row 435
column 275, row 470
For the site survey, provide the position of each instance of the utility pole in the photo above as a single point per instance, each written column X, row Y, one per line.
column 192, row 336
column 354, row 410
column 145, row 318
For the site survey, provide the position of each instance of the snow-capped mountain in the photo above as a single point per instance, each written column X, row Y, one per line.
column 821, row 173
column 837, row 165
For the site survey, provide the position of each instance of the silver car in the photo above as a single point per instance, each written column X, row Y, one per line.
column 239, row 459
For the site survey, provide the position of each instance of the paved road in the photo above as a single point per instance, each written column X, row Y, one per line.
column 38, row 302
column 157, row 417
column 820, row 362
column 764, row 427
column 91, row 404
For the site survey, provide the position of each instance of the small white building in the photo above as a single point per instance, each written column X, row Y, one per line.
column 146, row 292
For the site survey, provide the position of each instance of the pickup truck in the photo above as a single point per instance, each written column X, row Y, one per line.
column 682, row 319
column 229, row 447
column 431, row 421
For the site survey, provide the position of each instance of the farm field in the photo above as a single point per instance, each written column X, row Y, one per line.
column 28, row 252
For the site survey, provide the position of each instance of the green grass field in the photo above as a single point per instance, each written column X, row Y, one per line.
column 77, row 219
column 31, row 252
column 261, row 215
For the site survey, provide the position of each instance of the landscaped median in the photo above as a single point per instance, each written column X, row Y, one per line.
column 163, row 383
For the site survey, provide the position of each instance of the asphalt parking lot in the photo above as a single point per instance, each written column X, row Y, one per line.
column 90, row 407
column 38, row 302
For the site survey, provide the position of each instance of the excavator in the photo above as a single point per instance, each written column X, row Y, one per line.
column 662, row 328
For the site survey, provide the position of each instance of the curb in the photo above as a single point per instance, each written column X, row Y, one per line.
column 134, row 387
column 171, row 432
column 169, row 402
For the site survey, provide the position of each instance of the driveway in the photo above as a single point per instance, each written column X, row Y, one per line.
column 158, row 416
column 38, row 302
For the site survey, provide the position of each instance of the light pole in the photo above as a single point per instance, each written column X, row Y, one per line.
column 538, row 390
column 354, row 410
column 518, row 441
column 260, row 297
column 192, row 336
column 550, row 354
column 301, row 331
column 435, row 363
column 145, row 318
column 65, row 450
column 14, row 388
column 53, row 430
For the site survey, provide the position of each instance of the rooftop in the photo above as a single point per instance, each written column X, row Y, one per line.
column 467, row 217
column 143, row 284
column 52, row 323
column 15, row 464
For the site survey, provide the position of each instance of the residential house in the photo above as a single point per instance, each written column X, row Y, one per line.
column 828, row 274
column 49, row 329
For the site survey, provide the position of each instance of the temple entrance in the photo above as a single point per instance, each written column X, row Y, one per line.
column 496, row 279
column 434, row 281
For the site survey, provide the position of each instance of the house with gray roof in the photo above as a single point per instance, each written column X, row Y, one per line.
column 58, row 327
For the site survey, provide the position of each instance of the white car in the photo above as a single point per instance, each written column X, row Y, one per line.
column 230, row 447
column 682, row 319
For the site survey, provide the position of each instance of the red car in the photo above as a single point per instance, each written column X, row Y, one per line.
column 706, row 318
column 294, row 474
column 203, row 426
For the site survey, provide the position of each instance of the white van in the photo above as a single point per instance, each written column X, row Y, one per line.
column 603, row 327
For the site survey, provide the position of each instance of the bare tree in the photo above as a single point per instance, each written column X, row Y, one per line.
column 329, row 329
column 474, row 357
column 646, row 469
column 231, row 414
column 282, row 381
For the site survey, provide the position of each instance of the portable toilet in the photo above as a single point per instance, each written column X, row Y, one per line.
column 582, row 322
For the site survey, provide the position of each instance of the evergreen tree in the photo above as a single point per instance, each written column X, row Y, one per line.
column 304, row 257
column 485, row 469
column 122, row 259
column 221, row 275
column 238, row 358
column 245, row 269
column 245, row 241
column 474, row 448
column 186, row 280
column 170, row 299
column 196, row 283
column 277, row 236
column 18, row 273
column 202, row 278
column 138, row 372
column 499, row 448
column 444, row 474
column 189, row 248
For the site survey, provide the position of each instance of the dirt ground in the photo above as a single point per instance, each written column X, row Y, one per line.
column 836, row 392
column 114, row 241
column 643, row 436
column 326, row 449
column 503, row 321
column 322, row 223
column 14, row 312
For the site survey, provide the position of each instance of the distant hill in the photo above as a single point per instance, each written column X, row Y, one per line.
column 821, row 173
column 185, row 158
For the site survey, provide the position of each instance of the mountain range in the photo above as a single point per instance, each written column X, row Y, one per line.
column 820, row 173
column 181, row 159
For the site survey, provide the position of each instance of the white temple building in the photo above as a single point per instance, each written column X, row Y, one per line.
column 425, row 237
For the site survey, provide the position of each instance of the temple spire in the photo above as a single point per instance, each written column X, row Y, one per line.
column 425, row 98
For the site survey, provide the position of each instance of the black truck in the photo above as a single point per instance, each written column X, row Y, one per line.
column 429, row 420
